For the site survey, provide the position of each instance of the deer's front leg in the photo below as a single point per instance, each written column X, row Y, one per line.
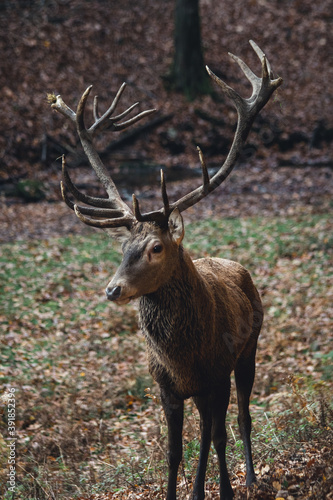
column 204, row 407
column 219, row 435
column 174, row 411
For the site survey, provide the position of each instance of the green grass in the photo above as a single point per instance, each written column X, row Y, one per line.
column 88, row 416
column 254, row 240
column 48, row 272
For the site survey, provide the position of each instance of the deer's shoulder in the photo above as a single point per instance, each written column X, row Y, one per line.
column 224, row 268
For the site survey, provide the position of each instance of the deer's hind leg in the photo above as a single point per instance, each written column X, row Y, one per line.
column 244, row 376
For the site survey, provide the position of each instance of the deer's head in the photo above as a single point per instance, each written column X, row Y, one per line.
column 154, row 237
column 150, row 257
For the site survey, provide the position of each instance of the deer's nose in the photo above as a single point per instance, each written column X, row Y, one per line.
column 113, row 293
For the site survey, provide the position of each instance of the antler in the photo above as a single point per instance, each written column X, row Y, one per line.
column 113, row 209
column 247, row 110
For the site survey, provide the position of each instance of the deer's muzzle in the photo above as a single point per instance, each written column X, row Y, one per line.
column 113, row 293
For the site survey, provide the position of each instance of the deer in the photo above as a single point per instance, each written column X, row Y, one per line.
column 200, row 318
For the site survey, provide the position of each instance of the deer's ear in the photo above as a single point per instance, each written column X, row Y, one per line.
column 176, row 226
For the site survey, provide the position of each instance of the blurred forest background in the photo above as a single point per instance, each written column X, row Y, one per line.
column 64, row 46
column 89, row 424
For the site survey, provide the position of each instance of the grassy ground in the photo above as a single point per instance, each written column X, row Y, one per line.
column 88, row 419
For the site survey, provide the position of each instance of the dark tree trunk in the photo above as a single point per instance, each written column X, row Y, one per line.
column 188, row 71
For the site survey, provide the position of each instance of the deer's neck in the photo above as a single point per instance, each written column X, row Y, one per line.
column 174, row 321
column 174, row 306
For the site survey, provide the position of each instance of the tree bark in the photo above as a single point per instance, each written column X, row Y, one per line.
column 188, row 71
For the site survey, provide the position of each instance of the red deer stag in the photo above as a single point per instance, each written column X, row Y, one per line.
column 201, row 319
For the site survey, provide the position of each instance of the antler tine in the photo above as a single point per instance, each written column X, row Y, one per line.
column 80, row 109
column 253, row 79
column 131, row 121
column 136, row 208
column 261, row 56
column 205, row 175
column 124, row 113
column 92, row 211
column 89, row 200
column 229, row 91
column 95, row 108
column 165, row 197
column 124, row 221
column 68, row 202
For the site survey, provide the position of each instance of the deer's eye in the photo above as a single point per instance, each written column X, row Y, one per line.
column 157, row 249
